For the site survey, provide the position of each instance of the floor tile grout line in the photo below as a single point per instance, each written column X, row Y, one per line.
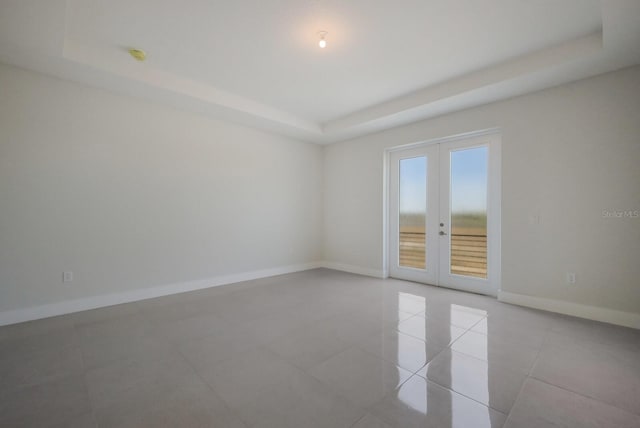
column 435, row 383
column 210, row 387
column 515, row 401
column 488, row 406
column 463, row 395
column 375, row 356
column 583, row 395
column 92, row 405
column 358, row 421
column 365, row 408
column 445, row 348
column 531, row 376
column 471, row 356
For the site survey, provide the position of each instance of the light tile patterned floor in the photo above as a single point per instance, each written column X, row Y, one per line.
column 319, row 349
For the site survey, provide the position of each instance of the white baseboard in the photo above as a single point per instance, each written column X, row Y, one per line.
column 611, row 316
column 627, row 319
column 376, row 273
column 93, row 302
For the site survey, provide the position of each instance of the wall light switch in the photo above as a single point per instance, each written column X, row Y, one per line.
column 67, row 276
column 571, row 277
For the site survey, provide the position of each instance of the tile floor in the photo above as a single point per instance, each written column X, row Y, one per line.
column 319, row 349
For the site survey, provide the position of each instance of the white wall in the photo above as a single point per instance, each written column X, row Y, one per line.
column 129, row 194
column 568, row 153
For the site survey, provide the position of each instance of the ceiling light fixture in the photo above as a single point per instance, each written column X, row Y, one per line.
column 138, row 54
column 322, row 43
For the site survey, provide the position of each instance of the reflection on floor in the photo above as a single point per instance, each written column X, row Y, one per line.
column 319, row 349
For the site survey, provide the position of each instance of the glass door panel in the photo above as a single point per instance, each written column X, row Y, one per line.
column 469, row 204
column 468, row 212
column 413, row 213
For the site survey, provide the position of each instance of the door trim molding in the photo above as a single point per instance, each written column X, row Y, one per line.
column 439, row 140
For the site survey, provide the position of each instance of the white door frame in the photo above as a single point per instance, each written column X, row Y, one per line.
column 492, row 139
column 430, row 274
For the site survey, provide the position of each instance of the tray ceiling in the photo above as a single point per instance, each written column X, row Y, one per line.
column 257, row 62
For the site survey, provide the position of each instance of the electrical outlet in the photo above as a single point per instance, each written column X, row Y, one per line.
column 67, row 276
column 571, row 278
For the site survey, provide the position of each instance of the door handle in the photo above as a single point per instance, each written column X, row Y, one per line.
column 442, row 233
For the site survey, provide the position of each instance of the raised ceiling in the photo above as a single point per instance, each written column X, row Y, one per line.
column 257, row 62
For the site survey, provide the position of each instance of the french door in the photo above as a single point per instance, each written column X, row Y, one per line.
column 444, row 214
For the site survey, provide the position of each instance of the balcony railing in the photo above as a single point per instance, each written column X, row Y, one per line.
column 468, row 250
